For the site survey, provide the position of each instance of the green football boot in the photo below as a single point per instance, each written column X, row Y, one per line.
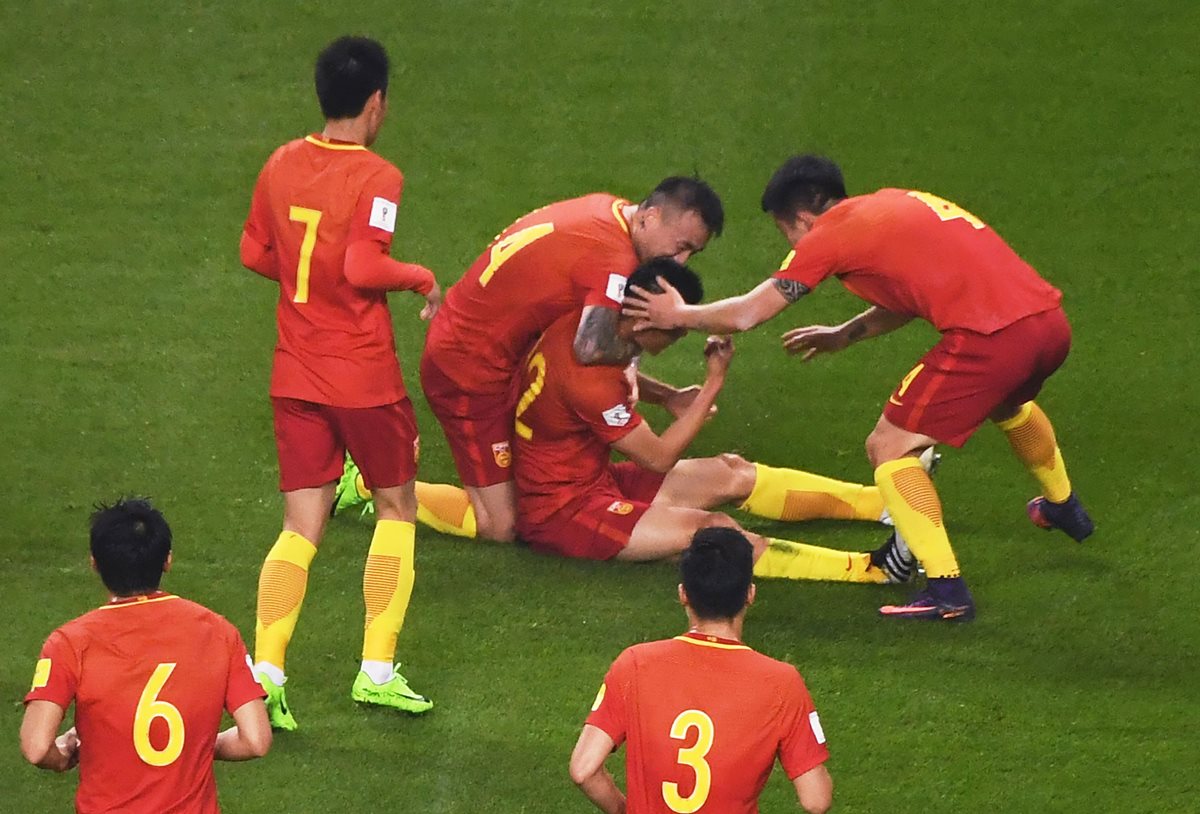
column 278, row 711
column 395, row 694
column 351, row 491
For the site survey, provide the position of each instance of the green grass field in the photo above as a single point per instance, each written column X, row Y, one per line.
column 134, row 356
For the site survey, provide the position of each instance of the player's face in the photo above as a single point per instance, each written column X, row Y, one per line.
column 666, row 232
column 796, row 227
column 655, row 340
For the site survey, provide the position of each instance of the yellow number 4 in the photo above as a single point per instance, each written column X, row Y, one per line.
column 150, row 707
column 311, row 218
column 692, row 757
column 946, row 210
column 510, row 245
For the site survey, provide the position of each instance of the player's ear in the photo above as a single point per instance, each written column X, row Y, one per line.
column 751, row 594
column 683, row 600
column 169, row 560
column 92, row 560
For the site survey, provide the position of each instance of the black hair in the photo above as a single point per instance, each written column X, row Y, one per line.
column 130, row 541
column 716, row 569
column 682, row 193
column 348, row 71
column 805, row 183
column 681, row 278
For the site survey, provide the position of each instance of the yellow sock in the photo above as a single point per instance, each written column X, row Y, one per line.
column 445, row 508
column 916, row 509
column 789, row 494
column 387, row 587
column 281, row 587
column 788, row 560
column 1032, row 440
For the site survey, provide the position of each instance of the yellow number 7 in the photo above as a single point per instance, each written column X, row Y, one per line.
column 946, row 210
column 310, row 218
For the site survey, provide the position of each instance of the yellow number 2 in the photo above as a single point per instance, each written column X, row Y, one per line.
column 150, row 707
column 537, row 366
column 506, row 248
column 310, row 218
column 693, row 758
column 946, row 210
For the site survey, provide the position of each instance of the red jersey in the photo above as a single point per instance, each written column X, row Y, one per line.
column 149, row 677
column 567, row 417
column 554, row 260
column 914, row 253
column 313, row 199
column 705, row 719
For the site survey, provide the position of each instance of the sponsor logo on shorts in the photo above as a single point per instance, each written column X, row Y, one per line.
column 502, row 454
column 617, row 416
column 620, row 507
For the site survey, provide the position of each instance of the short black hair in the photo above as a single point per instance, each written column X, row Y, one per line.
column 348, row 71
column 681, row 278
column 679, row 192
column 130, row 541
column 805, row 183
column 716, row 569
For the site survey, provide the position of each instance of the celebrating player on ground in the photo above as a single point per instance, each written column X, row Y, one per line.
column 704, row 716
column 912, row 254
column 572, row 501
column 321, row 224
column 150, row 674
column 555, row 260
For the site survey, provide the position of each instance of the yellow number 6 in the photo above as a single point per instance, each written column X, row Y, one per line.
column 150, row 707
column 692, row 757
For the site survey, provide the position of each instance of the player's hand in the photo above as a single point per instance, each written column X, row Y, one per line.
column 718, row 350
column 663, row 310
column 68, row 746
column 813, row 340
column 678, row 402
column 433, row 301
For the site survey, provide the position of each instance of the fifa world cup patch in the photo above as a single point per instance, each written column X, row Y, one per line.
column 620, row 507
column 617, row 415
column 502, row 454
column 616, row 288
column 383, row 214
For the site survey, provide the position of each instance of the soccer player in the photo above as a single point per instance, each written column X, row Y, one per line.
column 573, row 502
column 911, row 255
column 705, row 716
column 555, row 260
column 149, row 674
column 321, row 224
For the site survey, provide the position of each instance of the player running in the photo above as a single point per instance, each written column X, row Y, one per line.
column 321, row 224
column 573, row 502
column 911, row 254
column 556, row 260
column 704, row 716
column 149, row 674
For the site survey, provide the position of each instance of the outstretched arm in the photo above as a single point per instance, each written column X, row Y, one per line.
column 731, row 315
column 596, row 340
column 813, row 340
column 588, row 772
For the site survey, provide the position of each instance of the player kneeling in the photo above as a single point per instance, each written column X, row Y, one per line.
column 574, row 502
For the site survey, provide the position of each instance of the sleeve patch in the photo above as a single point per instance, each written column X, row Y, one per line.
column 814, row 721
column 617, row 415
column 41, row 674
column 787, row 261
column 616, row 288
column 599, row 697
column 383, row 214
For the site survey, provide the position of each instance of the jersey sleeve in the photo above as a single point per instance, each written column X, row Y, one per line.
column 56, row 675
column 814, row 258
column 610, row 709
column 374, row 216
column 604, row 401
column 601, row 272
column 802, row 741
column 241, row 686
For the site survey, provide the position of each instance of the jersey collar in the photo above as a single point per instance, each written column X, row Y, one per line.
column 705, row 640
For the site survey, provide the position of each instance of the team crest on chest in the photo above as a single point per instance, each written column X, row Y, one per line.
column 502, row 454
column 620, row 507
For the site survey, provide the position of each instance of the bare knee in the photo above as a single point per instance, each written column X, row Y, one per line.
column 719, row 520
column 497, row 525
column 742, row 474
column 396, row 502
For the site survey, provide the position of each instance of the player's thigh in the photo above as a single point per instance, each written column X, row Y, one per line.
column 478, row 427
column 597, row 526
column 383, row 441
column 704, row 483
column 664, row 531
column 310, row 448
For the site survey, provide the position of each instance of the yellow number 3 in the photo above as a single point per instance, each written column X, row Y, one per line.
column 150, row 707
column 946, row 210
column 693, row 758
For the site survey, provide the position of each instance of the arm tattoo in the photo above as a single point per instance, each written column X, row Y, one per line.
column 596, row 341
column 790, row 289
column 857, row 331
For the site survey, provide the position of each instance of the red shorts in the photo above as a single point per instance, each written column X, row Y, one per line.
column 478, row 426
column 312, row 440
column 967, row 375
column 598, row 524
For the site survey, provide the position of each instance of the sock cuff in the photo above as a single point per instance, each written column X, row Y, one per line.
column 1022, row 417
column 294, row 548
column 759, row 482
column 393, row 538
column 890, row 468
